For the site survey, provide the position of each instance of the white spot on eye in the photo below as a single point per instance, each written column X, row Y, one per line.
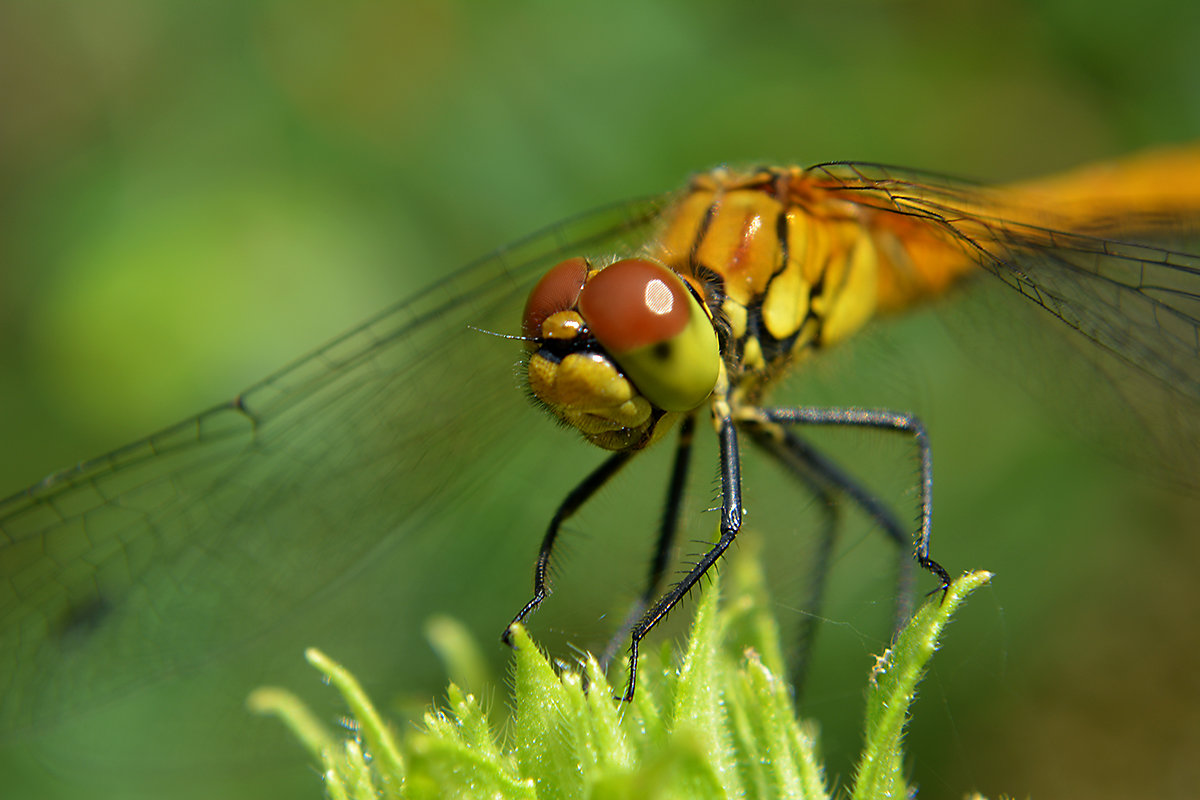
column 659, row 298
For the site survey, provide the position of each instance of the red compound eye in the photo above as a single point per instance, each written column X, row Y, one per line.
column 634, row 303
column 556, row 291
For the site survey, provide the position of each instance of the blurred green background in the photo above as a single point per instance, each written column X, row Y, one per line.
column 193, row 194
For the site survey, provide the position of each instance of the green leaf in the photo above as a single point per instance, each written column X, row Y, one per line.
column 716, row 723
column 893, row 687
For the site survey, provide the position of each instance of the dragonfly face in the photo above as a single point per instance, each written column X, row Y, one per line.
column 615, row 351
column 196, row 540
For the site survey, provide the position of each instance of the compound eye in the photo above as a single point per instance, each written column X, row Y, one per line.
column 557, row 291
column 656, row 331
column 634, row 303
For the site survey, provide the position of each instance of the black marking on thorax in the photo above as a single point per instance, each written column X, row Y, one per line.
column 709, row 214
column 774, row 351
column 782, row 235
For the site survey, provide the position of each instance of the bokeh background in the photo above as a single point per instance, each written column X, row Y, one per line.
column 193, row 194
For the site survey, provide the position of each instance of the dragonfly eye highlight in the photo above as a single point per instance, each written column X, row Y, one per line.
column 655, row 330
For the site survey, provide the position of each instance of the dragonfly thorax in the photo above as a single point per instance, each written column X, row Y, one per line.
column 789, row 268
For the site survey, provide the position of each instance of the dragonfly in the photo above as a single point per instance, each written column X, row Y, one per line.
column 202, row 536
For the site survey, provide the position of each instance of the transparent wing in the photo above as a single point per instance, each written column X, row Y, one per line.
column 1107, row 278
column 151, row 558
column 1125, row 277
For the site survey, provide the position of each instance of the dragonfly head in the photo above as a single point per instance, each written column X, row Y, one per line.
column 619, row 352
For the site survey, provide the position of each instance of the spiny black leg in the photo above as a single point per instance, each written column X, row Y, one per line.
column 578, row 496
column 885, row 420
column 731, row 522
column 672, row 509
column 668, row 526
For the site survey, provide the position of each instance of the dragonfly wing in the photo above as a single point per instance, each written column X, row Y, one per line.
column 1114, row 278
column 150, row 559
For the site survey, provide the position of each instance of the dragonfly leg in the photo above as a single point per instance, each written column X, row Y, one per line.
column 829, row 483
column 668, row 526
column 891, row 421
column 731, row 523
column 572, row 503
